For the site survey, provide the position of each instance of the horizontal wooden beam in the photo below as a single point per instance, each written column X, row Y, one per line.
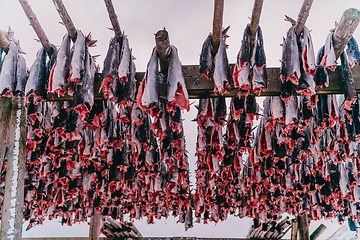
column 141, row 238
column 199, row 87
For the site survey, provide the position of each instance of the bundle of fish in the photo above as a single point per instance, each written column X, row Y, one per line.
column 297, row 63
column 216, row 66
column 250, row 68
column 14, row 73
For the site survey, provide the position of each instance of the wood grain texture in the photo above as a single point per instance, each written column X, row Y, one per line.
column 60, row 7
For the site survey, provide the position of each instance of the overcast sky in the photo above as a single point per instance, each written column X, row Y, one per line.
column 188, row 23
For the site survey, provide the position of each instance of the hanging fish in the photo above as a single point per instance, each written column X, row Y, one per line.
column 290, row 62
column 60, row 71
column 241, row 74
column 277, row 109
column 37, row 78
column 125, row 60
column 306, row 84
column 77, row 61
column 353, row 52
column 308, row 55
column 206, row 61
column 8, row 72
column 21, row 76
column 177, row 94
column 321, row 77
column 348, row 80
column 148, row 91
column 110, row 71
column 221, row 69
column 329, row 58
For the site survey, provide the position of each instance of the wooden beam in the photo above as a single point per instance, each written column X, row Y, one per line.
column 294, row 229
column 4, row 42
column 254, row 23
column 114, row 20
column 316, row 234
column 36, row 25
column 303, row 227
column 217, row 24
column 66, row 19
column 163, row 49
column 302, row 17
column 199, row 87
column 13, row 203
column 345, row 29
column 95, row 225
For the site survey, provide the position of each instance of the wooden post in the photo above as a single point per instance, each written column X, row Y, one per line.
column 36, row 25
column 95, row 226
column 254, row 23
column 302, row 17
column 217, row 24
column 66, row 19
column 114, row 20
column 345, row 29
column 294, row 229
column 303, row 227
column 4, row 42
column 163, row 49
column 13, row 203
column 318, row 232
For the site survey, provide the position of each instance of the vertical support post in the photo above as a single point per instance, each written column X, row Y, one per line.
column 345, row 29
column 303, row 227
column 163, row 49
column 318, row 232
column 95, row 226
column 254, row 23
column 217, row 24
column 114, row 20
column 302, row 17
column 294, row 229
column 36, row 25
column 12, row 209
column 66, row 19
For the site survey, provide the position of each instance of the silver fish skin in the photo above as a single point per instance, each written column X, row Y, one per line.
column 277, row 109
column 290, row 62
column 177, row 94
column 329, row 58
column 353, row 53
column 148, row 93
column 291, row 112
column 268, row 118
column 8, row 72
column 259, row 80
column 36, row 75
column 344, row 181
column 125, row 58
column 306, row 84
column 308, row 54
column 259, row 52
column 348, row 80
column 206, row 61
column 110, row 71
column 60, row 71
column 21, row 76
column 77, row 61
column 321, row 77
column 221, row 71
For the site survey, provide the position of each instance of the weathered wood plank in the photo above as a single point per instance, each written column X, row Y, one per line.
column 13, row 203
column 163, row 49
column 302, row 17
column 316, row 234
column 95, row 225
column 114, row 20
column 294, row 229
column 217, row 24
column 254, row 23
column 303, row 227
column 36, row 25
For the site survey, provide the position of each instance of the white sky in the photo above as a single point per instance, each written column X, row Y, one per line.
column 188, row 23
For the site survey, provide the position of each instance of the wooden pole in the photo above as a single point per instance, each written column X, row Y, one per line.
column 66, row 19
column 345, row 29
column 13, row 203
column 95, row 226
column 217, row 24
column 303, row 227
column 254, row 23
column 294, row 229
column 163, row 49
column 114, row 20
column 4, row 42
column 302, row 17
column 318, row 232
column 36, row 25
